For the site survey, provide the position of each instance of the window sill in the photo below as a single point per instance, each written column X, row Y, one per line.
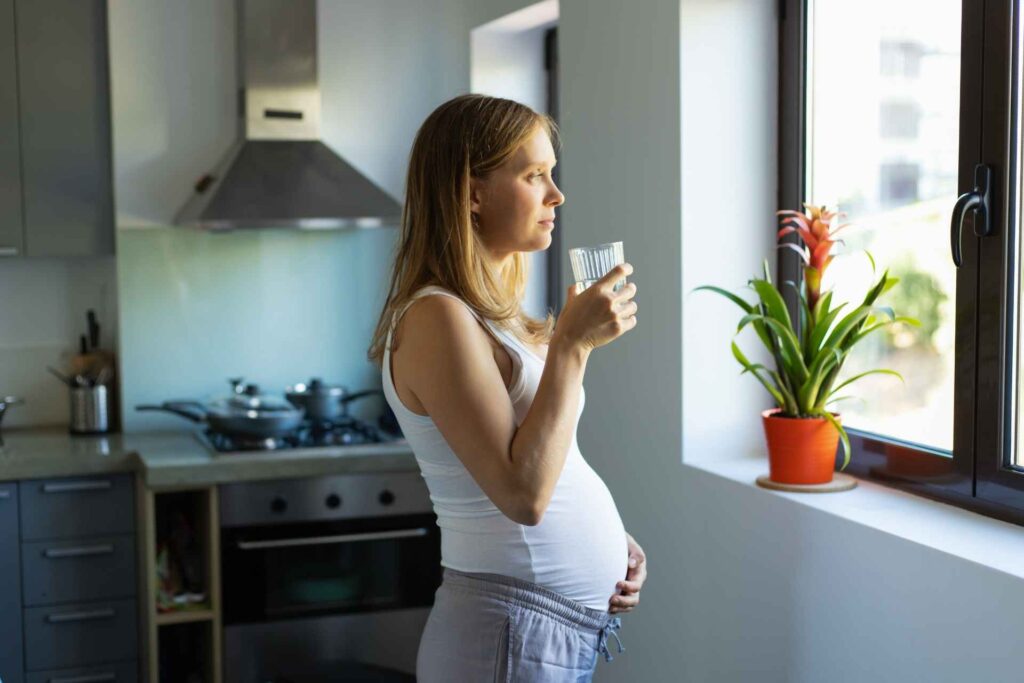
column 961, row 533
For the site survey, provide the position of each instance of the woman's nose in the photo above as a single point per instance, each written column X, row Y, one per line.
column 556, row 197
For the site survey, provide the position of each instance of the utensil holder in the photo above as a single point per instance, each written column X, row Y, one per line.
column 89, row 410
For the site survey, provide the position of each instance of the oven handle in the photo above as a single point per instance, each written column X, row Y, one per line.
column 329, row 540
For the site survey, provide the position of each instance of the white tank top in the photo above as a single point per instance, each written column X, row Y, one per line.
column 579, row 547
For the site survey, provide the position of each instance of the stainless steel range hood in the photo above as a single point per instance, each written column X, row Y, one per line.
column 278, row 174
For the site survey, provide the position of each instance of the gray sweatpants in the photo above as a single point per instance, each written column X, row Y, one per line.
column 488, row 628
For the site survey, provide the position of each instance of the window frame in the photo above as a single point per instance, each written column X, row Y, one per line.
column 983, row 337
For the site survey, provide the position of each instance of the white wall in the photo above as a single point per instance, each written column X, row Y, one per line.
column 621, row 175
column 42, row 314
column 507, row 60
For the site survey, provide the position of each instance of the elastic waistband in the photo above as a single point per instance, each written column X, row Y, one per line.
column 528, row 593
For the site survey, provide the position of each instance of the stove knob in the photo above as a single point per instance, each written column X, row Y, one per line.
column 333, row 501
column 386, row 497
column 278, row 505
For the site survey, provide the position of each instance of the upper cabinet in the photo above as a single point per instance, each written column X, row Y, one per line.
column 56, row 196
column 11, row 226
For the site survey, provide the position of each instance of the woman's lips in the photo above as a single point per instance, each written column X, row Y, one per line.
column 550, row 223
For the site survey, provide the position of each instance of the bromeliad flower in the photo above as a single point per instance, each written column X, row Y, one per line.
column 814, row 226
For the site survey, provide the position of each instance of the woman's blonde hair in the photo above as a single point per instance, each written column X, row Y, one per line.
column 466, row 137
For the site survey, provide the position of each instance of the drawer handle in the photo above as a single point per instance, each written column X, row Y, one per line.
column 71, row 486
column 89, row 678
column 80, row 551
column 8, row 251
column 4, row 494
column 331, row 540
column 81, row 616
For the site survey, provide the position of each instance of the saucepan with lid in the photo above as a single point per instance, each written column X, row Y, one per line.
column 325, row 402
column 246, row 414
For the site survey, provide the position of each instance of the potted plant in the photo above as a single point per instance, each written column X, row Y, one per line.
column 808, row 353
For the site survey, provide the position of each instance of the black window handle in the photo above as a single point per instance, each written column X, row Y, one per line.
column 978, row 200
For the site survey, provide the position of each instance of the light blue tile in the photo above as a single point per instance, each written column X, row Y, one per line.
column 274, row 306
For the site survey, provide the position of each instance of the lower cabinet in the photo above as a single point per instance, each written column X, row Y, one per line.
column 81, row 633
column 71, row 542
column 10, row 587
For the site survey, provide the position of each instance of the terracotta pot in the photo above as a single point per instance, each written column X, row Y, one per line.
column 800, row 450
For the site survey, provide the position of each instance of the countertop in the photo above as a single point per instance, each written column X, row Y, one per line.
column 177, row 459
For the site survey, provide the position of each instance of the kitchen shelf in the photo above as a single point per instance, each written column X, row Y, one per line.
column 197, row 627
column 185, row 616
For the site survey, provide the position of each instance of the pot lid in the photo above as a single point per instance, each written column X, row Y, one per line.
column 316, row 387
column 247, row 399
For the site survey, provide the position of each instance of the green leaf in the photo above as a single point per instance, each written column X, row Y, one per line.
column 822, row 307
column 872, row 259
column 728, row 295
column 847, row 325
column 842, row 435
column 773, row 301
column 865, row 374
column 821, row 328
column 789, row 348
column 749, row 367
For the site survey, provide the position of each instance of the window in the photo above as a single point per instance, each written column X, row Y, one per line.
column 887, row 117
column 899, row 58
column 898, row 119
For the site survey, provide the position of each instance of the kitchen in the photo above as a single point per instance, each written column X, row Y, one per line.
column 676, row 93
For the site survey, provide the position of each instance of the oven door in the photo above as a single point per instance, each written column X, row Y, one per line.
column 288, row 571
column 338, row 600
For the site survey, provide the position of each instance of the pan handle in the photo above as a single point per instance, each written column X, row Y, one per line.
column 360, row 394
column 191, row 410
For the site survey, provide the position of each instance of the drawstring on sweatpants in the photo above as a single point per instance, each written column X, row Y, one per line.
column 602, row 638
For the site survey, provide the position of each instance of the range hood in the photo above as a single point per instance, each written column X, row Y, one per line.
column 278, row 174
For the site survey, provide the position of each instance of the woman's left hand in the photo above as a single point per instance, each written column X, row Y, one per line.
column 628, row 596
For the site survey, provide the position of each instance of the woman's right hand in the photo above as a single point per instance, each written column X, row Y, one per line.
column 599, row 314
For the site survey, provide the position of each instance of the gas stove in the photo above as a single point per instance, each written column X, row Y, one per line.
column 346, row 431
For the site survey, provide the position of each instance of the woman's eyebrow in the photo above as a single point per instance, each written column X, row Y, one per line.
column 540, row 163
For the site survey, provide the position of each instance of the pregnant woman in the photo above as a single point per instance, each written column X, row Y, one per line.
column 536, row 558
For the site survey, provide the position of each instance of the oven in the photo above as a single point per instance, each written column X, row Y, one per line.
column 328, row 578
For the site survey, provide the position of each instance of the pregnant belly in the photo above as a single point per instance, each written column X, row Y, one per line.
column 579, row 548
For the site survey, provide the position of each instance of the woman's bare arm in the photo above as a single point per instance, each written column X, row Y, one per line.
column 448, row 364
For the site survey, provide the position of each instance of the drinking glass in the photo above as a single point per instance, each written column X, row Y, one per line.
column 590, row 264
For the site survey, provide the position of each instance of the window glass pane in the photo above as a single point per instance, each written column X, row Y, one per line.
column 883, row 124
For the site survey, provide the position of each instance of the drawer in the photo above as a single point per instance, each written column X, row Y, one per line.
column 80, row 634
column 118, row 672
column 94, row 568
column 84, row 506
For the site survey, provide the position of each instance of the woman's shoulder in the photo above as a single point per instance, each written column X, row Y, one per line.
column 436, row 316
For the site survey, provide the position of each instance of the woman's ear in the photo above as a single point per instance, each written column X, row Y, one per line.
column 476, row 194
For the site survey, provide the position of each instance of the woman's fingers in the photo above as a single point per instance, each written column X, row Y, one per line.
column 623, row 603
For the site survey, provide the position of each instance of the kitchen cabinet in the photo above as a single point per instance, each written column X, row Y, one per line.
column 180, row 643
column 10, row 587
column 77, row 616
column 11, row 226
column 58, row 102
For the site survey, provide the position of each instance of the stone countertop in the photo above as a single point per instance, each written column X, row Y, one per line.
column 179, row 460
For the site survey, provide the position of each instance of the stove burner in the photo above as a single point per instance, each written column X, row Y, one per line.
column 345, row 431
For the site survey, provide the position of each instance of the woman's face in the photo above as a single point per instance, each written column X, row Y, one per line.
column 515, row 204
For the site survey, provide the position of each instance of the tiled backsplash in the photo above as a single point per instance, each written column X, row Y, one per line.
column 273, row 306
column 42, row 313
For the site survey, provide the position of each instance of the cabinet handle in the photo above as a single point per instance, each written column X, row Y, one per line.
column 4, row 493
column 8, row 251
column 331, row 540
column 80, row 551
column 88, row 678
column 81, row 616
column 77, row 486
